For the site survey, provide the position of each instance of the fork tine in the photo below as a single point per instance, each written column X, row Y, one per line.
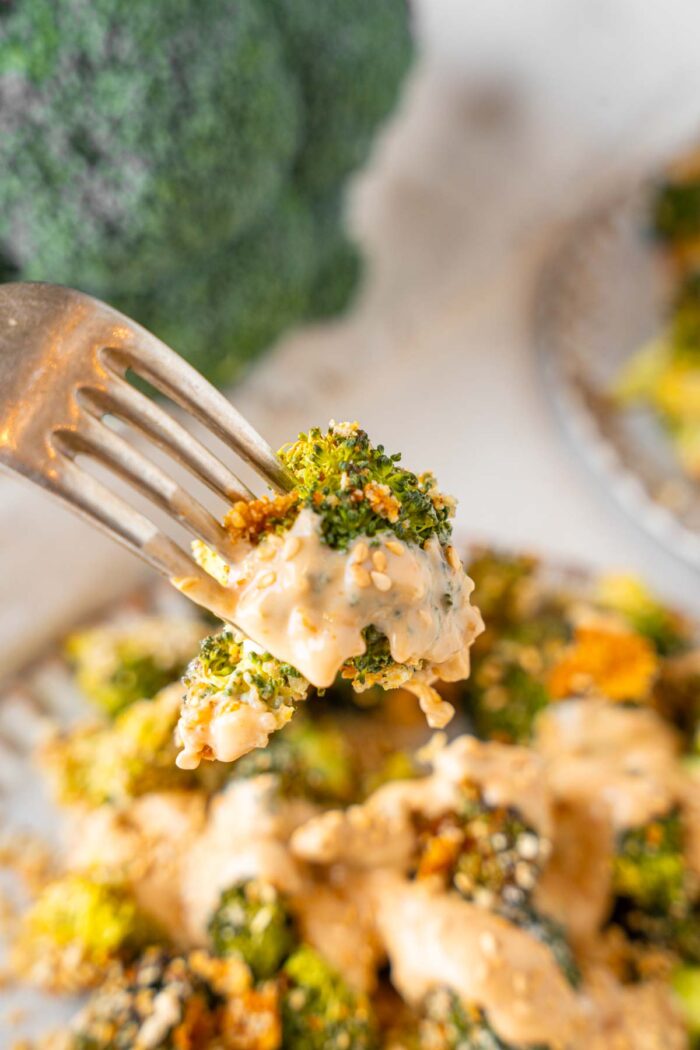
column 169, row 373
column 95, row 439
column 121, row 399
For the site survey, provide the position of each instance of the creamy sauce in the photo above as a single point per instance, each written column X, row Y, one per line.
column 308, row 604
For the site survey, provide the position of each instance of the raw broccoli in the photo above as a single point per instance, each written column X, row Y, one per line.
column 152, row 160
column 312, row 760
column 167, row 1002
column 487, row 853
column 448, row 1024
column 75, row 928
column 132, row 756
column 656, row 893
column 117, row 664
column 253, row 922
column 319, row 1010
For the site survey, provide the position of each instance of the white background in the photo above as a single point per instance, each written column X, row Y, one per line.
column 517, row 114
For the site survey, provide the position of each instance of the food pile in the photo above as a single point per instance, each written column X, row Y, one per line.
column 531, row 884
column 664, row 375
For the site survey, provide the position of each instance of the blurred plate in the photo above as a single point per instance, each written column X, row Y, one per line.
column 600, row 297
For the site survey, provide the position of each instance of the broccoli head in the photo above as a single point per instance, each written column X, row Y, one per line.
column 656, row 893
column 75, row 928
column 173, row 1002
column 117, row 664
column 253, row 922
column 449, row 1024
column 232, row 676
column 152, row 160
column 319, row 1010
column 487, row 853
column 311, row 758
column 114, row 763
column 628, row 595
column 506, row 691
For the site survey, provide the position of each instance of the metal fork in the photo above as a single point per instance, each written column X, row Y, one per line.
column 63, row 363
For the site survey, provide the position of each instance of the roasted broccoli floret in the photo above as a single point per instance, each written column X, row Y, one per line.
column 75, row 928
column 449, row 1024
column 656, row 893
column 167, row 1002
column 319, row 1010
column 506, row 691
column 232, row 675
column 487, row 853
column 190, row 163
column 253, row 922
column 311, row 758
column 503, row 585
column 133, row 755
column 686, row 986
column 117, row 664
column 628, row 595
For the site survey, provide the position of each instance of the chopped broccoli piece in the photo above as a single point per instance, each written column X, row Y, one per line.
column 253, row 922
column 359, row 490
column 166, row 1002
column 319, row 1010
column 132, row 756
column 629, row 596
column 230, row 673
column 120, row 663
column 376, row 666
column 656, row 893
column 505, row 692
column 190, row 163
column 487, row 853
column 501, row 585
column 686, row 985
column 75, row 928
column 449, row 1024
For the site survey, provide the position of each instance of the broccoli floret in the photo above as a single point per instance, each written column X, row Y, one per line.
column 686, row 986
column 629, row 596
column 505, row 692
column 676, row 211
column 319, row 1010
column 253, row 922
column 312, row 760
column 449, row 1024
column 359, row 490
column 132, row 756
column 117, row 664
column 75, row 928
column 167, row 1002
column 231, row 674
column 143, row 156
column 656, row 892
column 487, row 853
column 502, row 585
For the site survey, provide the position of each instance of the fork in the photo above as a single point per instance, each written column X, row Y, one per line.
column 64, row 358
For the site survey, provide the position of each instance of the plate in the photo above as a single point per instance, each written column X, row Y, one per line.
column 601, row 296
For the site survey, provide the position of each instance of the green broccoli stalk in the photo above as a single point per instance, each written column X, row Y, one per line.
column 656, row 893
column 487, row 853
column 448, row 1024
column 188, row 164
column 116, row 664
column 75, row 928
column 319, row 1010
column 253, row 923
column 174, row 1002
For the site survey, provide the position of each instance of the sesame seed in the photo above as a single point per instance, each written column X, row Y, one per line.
column 266, row 551
column 379, row 560
column 266, row 579
column 381, row 581
column 528, row 846
column 359, row 551
column 292, row 547
column 453, row 558
column 360, row 576
column 488, row 943
column 395, row 547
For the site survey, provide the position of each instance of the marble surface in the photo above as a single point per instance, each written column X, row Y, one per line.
column 516, row 116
